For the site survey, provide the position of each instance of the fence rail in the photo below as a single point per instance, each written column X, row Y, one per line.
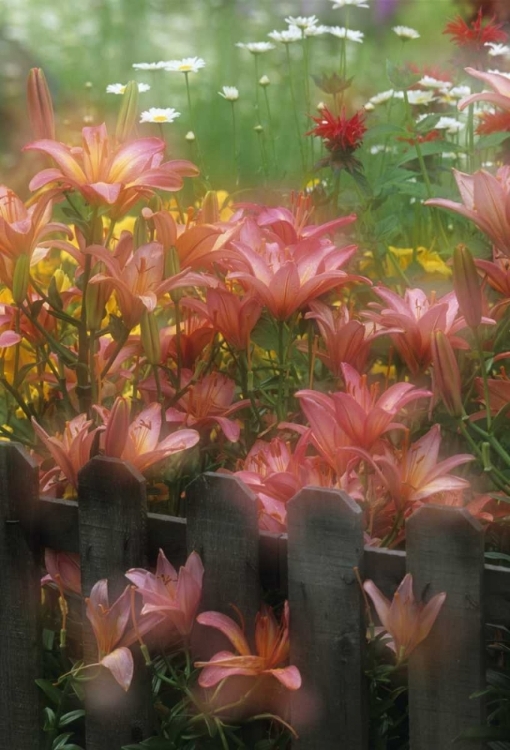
column 112, row 531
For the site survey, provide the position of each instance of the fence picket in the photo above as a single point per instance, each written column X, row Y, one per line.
column 113, row 528
column 445, row 553
column 20, row 595
column 327, row 629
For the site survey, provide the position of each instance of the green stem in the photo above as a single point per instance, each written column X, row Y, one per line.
column 271, row 129
column 234, row 144
column 295, row 110
column 485, row 379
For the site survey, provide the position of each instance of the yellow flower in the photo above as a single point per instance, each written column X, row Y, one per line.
column 429, row 260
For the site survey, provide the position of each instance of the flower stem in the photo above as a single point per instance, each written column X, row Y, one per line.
column 295, row 110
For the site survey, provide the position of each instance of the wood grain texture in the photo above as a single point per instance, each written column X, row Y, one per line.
column 327, row 628
column 112, row 512
column 20, row 595
column 445, row 553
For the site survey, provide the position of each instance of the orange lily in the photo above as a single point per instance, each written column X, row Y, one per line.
column 106, row 173
column 271, row 644
column 405, row 620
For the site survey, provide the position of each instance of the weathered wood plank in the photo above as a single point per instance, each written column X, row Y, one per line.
column 20, row 595
column 327, row 628
column 445, row 553
column 222, row 527
column 112, row 512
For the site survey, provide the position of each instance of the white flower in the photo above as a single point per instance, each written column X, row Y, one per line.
column 120, row 88
column 405, row 32
column 449, row 155
column 450, row 96
column 186, row 65
column 230, row 93
column 377, row 149
column 498, row 50
column 150, row 66
column 302, row 22
column 264, row 81
column 292, row 34
column 156, row 114
column 316, row 30
column 450, row 124
column 420, row 97
column 342, row 33
column 190, row 136
column 382, row 97
column 368, row 107
column 256, row 48
column 500, row 73
column 343, row 3
column 434, row 83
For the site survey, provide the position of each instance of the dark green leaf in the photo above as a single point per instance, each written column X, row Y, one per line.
column 70, row 717
column 400, row 76
column 52, row 692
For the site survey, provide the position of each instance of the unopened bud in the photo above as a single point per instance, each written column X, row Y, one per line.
column 116, row 432
column 321, row 106
column 96, row 297
column 140, row 235
column 446, row 373
column 172, row 263
column 190, row 136
column 210, row 208
column 150, row 338
column 40, row 106
column 128, row 114
column 264, row 81
column 258, row 129
column 21, row 278
column 466, row 284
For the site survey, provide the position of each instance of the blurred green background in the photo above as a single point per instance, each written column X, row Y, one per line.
column 82, row 47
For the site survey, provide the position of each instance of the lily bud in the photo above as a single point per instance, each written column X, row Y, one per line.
column 210, row 208
column 128, row 114
column 21, row 278
column 467, row 287
column 150, row 338
column 116, row 432
column 140, row 234
column 172, row 263
column 446, row 374
column 96, row 297
column 40, row 106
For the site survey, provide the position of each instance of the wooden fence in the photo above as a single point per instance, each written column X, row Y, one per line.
column 111, row 529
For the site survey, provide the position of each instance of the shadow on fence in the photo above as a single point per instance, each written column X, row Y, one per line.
column 112, row 531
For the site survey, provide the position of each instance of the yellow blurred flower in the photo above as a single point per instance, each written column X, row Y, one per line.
column 429, row 260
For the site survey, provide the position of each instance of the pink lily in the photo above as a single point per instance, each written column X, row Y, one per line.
column 106, row 173
column 501, row 85
column 140, row 444
column 174, row 596
column 485, row 201
column 207, row 401
column 271, row 644
column 405, row 620
column 64, row 571
column 71, row 451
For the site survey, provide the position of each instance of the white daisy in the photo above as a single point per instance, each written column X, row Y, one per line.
column 186, row 65
column 302, row 22
column 406, row 33
column 316, row 30
column 292, row 34
column 377, row 149
column 451, row 96
column 256, row 48
column 498, row 50
column 342, row 33
column 120, row 88
column 434, row 83
column 382, row 97
column 230, row 93
column 420, row 97
column 343, row 3
column 156, row 114
column 450, row 124
column 150, row 66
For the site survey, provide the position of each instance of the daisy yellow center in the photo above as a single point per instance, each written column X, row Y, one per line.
column 160, row 118
column 186, row 68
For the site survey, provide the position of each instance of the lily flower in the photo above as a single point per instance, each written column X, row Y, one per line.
column 233, row 317
column 500, row 96
column 174, row 596
column 64, row 571
column 138, row 279
column 404, row 619
column 271, row 644
column 140, row 444
column 485, row 202
column 71, row 451
column 207, row 401
column 417, row 316
column 106, row 173
column 286, row 278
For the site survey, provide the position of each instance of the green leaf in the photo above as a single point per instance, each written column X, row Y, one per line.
column 428, row 149
column 49, row 719
column 497, row 555
column 400, row 76
column 492, row 140
column 61, row 741
column 52, row 692
column 70, row 717
column 476, row 734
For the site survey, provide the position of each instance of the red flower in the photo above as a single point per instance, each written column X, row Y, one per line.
column 340, row 133
column 494, row 122
column 474, row 35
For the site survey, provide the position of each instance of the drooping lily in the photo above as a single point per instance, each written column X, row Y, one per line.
column 106, row 173
column 63, row 570
column 404, row 619
column 500, row 96
column 271, row 644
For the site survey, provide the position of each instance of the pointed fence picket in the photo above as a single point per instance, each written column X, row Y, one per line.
column 110, row 528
